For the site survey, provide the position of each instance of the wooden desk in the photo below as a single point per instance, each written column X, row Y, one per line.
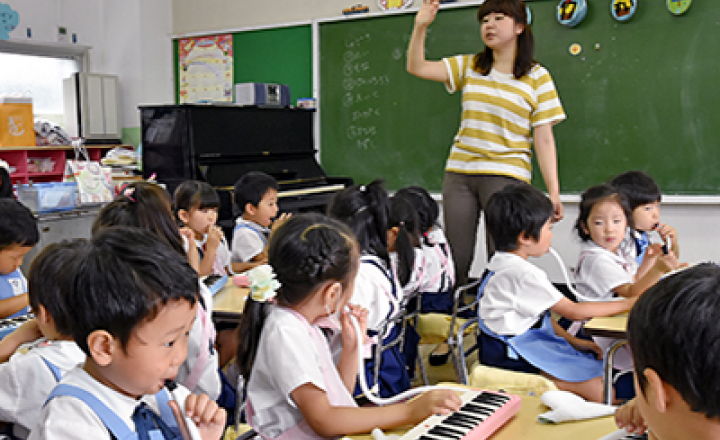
column 229, row 303
column 611, row 327
column 524, row 426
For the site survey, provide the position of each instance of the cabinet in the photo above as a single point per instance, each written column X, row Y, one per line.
column 92, row 107
column 43, row 164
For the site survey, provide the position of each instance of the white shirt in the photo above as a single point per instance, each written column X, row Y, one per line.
column 248, row 241
column 599, row 271
column 209, row 382
column 286, row 359
column 373, row 291
column 26, row 381
column 67, row 417
column 516, row 296
column 439, row 268
column 418, row 276
column 223, row 257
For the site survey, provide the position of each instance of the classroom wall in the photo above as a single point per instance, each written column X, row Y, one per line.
column 130, row 39
column 191, row 16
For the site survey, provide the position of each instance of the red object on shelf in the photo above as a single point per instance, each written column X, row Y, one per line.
column 29, row 161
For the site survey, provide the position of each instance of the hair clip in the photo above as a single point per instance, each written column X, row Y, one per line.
column 263, row 285
column 128, row 192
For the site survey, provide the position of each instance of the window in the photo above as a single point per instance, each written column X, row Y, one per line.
column 38, row 71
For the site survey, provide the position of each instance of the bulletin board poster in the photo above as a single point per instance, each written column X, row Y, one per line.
column 206, row 69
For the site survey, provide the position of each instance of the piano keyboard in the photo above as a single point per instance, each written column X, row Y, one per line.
column 624, row 435
column 8, row 325
column 311, row 190
column 481, row 414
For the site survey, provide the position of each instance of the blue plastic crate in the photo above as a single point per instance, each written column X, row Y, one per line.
column 48, row 197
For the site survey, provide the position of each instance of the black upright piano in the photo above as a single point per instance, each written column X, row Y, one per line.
column 220, row 143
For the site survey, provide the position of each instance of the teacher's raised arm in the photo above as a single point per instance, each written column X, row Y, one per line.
column 509, row 105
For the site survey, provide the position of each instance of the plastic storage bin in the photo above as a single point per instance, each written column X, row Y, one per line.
column 48, row 197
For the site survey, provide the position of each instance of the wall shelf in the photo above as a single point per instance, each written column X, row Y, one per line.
column 21, row 159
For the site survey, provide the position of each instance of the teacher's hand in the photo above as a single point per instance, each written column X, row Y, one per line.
column 558, row 210
column 426, row 13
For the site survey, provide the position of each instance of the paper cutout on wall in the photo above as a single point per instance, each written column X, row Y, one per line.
column 571, row 12
column 9, row 19
column 678, row 7
column 623, row 10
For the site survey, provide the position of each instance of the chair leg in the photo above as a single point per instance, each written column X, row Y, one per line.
column 462, row 364
column 423, row 373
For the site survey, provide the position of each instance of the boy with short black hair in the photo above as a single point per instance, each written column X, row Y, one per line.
column 133, row 303
column 643, row 196
column 517, row 330
column 18, row 235
column 673, row 333
column 255, row 195
column 30, row 374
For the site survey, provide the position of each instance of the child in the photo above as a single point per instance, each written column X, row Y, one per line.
column 439, row 273
column 18, row 235
column 196, row 205
column 602, row 271
column 673, row 332
column 404, row 245
column 295, row 391
column 133, row 303
column 28, row 377
column 643, row 196
column 509, row 106
column 439, row 276
column 147, row 207
column 409, row 263
column 514, row 308
column 365, row 208
column 256, row 198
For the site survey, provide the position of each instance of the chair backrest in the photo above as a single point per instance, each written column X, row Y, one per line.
column 399, row 320
column 471, row 307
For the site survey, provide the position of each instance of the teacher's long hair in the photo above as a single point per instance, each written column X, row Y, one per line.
column 483, row 61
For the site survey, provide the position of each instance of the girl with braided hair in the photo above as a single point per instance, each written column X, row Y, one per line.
column 294, row 388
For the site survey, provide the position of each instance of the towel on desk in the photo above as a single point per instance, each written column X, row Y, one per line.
column 567, row 407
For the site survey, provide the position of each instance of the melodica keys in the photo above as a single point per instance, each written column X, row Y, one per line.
column 621, row 434
column 481, row 414
column 9, row 325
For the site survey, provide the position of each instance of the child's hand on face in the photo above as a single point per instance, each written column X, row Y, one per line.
column 628, row 417
column 188, row 234
column 433, row 402
column 349, row 337
column 208, row 417
column 666, row 231
column 214, row 237
column 280, row 220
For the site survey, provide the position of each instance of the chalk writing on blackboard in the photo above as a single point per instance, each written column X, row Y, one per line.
column 362, row 93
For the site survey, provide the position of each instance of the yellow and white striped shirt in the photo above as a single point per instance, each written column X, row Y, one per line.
column 498, row 113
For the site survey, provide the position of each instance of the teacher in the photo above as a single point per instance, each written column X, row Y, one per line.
column 509, row 103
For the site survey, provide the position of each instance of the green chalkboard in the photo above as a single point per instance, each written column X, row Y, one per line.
column 281, row 55
column 641, row 95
